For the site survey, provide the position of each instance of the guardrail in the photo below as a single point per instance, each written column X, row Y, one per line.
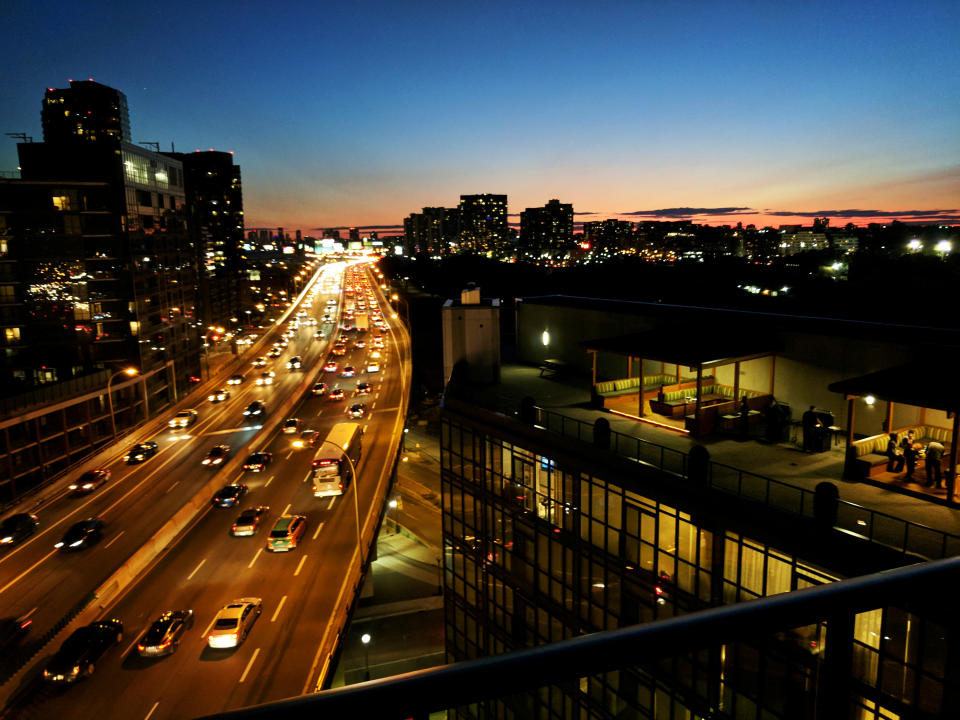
column 872, row 525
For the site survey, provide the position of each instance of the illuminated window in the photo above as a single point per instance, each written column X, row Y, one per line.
column 61, row 202
column 81, row 311
column 12, row 335
column 7, row 294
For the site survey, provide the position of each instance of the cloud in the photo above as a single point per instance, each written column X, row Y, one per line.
column 853, row 213
column 687, row 212
column 575, row 212
column 358, row 227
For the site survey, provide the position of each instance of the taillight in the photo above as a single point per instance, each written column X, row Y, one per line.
column 141, row 647
column 165, row 644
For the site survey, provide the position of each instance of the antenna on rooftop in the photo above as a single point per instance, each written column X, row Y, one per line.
column 155, row 146
column 20, row 136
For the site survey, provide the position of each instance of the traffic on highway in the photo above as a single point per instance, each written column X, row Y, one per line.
column 246, row 571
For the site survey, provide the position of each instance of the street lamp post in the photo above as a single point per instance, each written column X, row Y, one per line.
column 129, row 372
column 365, row 639
column 356, row 491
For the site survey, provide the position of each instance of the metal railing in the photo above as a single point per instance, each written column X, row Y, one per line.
column 872, row 525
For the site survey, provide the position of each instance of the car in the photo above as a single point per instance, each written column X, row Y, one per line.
column 217, row 456
column 140, row 452
column 81, row 534
column 373, row 367
column 293, row 363
column 275, row 352
column 257, row 462
column 307, row 438
column 301, row 313
column 255, row 409
column 286, row 533
column 89, row 481
column 235, row 379
column 219, row 395
column 260, row 362
column 330, row 367
column 360, row 344
column 347, row 327
column 374, row 354
column 266, row 378
column 12, row 632
column 363, row 388
column 348, row 372
column 335, row 394
column 318, row 388
column 339, row 349
column 378, row 343
column 331, row 302
column 318, row 335
column 326, row 318
column 249, row 521
column 183, row 419
column 232, row 624
column 164, row 635
column 357, row 410
column 311, row 321
column 17, row 527
column 291, row 426
column 79, row 652
column 229, row 495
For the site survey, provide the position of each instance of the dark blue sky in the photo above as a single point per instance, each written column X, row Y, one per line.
column 359, row 113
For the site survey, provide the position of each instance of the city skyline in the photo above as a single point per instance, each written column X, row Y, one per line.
column 358, row 116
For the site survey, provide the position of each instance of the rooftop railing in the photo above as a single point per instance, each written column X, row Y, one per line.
column 872, row 525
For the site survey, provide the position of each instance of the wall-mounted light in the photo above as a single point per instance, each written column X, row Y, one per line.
column 545, row 338
column 869, row 399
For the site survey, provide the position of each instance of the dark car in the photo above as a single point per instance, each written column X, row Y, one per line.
column 235, row 380
column 249, row 521
column 140, row 452
column 81, row 535
column 364, row 388
column 17, row 527
column 255, row 409
column 335, row 394
column 164, row 636
column 319, row 388
column 229, row 495
column 357, row 410
column 79, row 652
column 12, row 631
column 89, row 481
column 217, row 456
column 257, row 461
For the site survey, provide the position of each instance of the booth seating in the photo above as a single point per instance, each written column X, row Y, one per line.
column 871, row 452
column 675, row 403
column 628, row 386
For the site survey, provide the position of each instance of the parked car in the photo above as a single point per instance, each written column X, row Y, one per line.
column 76, row 657
column 164, row 635
column 140, row 452
column 89, row 481
column 81, row 535
column 17, row 527
column 233, row 623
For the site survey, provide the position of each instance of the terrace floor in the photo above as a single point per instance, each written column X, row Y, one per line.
column 786, row 461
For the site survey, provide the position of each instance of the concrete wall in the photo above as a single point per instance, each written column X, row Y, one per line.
column 472, row 333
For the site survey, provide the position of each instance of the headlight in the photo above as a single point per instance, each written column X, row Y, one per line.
column 88, row 486
column 77, row 543
column 74, row 487
column 59, row 544
column 75, row 670
column 206, row 461
column 6, row 540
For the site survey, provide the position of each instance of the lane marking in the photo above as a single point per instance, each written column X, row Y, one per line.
column 209, row 627
column 317, row 531
column 151, row 710
column 28, row 570
column 114, row 540
column 269, row 480
column 250, row 664
column 130, row 646
column 254, row 558
column 288, row 455
column 285, row 509
column 277, row 611
column 300, row 566
column 24, row 617
column 333, row 499
column 190, row 576
column 175, row 483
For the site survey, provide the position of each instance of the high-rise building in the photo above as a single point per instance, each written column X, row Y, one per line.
column 434, row 231
column 546, row 232
column 483, row 225
column 99, row 258
column 86, row 110
column 608, row 237
column 214, row 196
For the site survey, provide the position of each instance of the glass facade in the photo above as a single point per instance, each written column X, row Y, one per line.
column 538, row 548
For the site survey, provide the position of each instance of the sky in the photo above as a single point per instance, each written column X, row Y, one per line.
column 359, row 113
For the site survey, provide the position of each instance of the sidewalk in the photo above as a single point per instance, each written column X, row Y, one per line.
column 784, row 462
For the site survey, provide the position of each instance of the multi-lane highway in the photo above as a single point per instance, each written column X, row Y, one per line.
column 304, row 592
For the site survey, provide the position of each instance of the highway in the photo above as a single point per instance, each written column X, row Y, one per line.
column 304, row 591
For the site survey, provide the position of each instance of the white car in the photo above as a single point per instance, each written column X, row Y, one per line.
column 373, row 367
column 184, row 418
column 233, row 622
column 266, row 378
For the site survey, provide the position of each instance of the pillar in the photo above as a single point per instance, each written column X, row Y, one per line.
column 640, row 411
column 952, row 464
column 736, row 383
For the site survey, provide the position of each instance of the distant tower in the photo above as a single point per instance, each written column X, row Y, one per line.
column 86, row 110
column 483, row 224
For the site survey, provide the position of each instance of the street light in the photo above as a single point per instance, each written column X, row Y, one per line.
column 365, row 639
column 130, row 372
column 356, row 503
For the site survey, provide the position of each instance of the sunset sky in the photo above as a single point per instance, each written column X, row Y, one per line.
column 350, row 113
